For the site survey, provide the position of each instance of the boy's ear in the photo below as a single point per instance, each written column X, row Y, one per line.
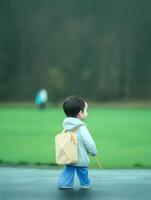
column 80, row 114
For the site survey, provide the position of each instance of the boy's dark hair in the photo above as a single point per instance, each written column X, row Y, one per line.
column 73, row 105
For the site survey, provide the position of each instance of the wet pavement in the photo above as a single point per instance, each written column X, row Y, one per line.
column 41, row 184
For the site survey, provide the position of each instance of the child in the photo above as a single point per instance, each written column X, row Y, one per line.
column 76, row 110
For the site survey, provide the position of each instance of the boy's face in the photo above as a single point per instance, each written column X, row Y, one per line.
column 83, row 114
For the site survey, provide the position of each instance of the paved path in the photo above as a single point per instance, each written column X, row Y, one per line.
column 40, row 184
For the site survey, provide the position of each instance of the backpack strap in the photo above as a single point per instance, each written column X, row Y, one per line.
column 63, row 131
column 73, row 137
column 74, row 130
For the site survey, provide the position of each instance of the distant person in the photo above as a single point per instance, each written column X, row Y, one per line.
column 41, row 98
column 75, row 109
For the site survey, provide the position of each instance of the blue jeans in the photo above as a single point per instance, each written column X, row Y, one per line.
column 66, row 179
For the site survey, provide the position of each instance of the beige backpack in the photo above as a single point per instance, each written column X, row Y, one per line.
column 66, row 147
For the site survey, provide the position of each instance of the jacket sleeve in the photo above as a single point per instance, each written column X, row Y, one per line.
column 88, row 141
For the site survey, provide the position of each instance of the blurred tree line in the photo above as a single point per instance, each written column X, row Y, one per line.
column 96, row 48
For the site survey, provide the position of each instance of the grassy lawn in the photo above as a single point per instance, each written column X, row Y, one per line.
column 122, row 135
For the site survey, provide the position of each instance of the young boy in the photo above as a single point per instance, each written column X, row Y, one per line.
column 75, row 109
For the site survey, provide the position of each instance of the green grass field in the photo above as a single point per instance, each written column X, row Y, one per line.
column 122, row 135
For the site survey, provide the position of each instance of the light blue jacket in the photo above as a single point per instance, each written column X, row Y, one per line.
column 86, row 144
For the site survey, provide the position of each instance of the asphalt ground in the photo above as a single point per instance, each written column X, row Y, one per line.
column 41, row 184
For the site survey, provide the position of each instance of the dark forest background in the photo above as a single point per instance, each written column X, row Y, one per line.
column 100, row 49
